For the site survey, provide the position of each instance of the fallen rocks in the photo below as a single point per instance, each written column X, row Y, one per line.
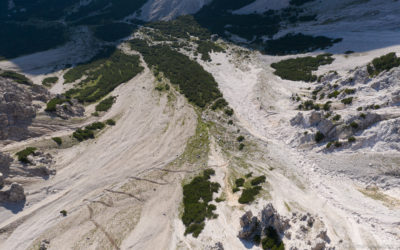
column 70, row 109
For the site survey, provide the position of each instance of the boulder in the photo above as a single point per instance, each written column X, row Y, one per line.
column 249, row 226
column 5, row 161
column 16, row 193
column 319, row 245
column 270, row 217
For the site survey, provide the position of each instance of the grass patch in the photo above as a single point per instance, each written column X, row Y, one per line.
column 300, row 68
column 196, row 197
column 23, row 154
column 16, row 77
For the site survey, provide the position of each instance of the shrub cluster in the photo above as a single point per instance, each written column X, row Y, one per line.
column 23, row 154
column 194, row 82
column 57, row 140
column 206, row 47
column 383, row 63
column 16, row 77
column 258, row 180
column 272, row 240
column 52, row 104
column 300, row 68
column 347, row 101
column 248, row 194
column 103, row 76
column 219, row 104
column 48, row 81
column 196, row 197
column 319, row 137
column 105, row 104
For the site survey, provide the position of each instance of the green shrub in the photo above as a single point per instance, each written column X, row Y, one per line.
column 63, row 212
column 229, row 112
column 347, row 101
column 333, row 94
column 95, row 126
column 219, row 104
column 349, row 91
column 300, row 68
column 57, row 140
column 354, row 125
column 327, row 106
column 83, row 134
column 362, row 115
column 258, row 180
column 23, row 154
column 240, row 138
column 241, row 146
column 319, row 137
column 249, row 175
column 16, row 77
column 230, row 122
column 49, row 81
column 110, row 122
column 376, row 107
column 352, row 139
column 239, row 182
column 52, row 104
column 329, row 144
column 208, row 173
column 235, row 189
column 105, row 104
column 248, row 194
column 359, row 108
column 338, row 144
column 336, row 117
column 196, row 196
column 383, row 63
column 272, row 240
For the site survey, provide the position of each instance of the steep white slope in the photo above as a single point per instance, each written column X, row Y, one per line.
column 168, row 9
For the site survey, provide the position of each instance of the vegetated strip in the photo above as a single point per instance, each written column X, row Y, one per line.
column 196, row 197
column 300, row 68
column 194, row 82
column 102, row 76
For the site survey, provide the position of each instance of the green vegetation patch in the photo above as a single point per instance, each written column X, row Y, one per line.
column 103, row 76
column 383, row 63
column 105, row 104
column 23, row 154
column 272, row 240
column 196, row 197
column 16, row 77
column 48, row 81
column 219, row 104
column 239, row 182
column 249, row 194
column 57, row 140
column 83, row 134
column 300, row 68
column 52, row 104
column 258, row 180
column 194, row 82
column 206, row 47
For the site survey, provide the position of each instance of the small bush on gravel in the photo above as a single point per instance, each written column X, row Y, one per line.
column 58, row 140
column 105, row 104
column 319, row 137
column 83, row 134
column 49, row 81
column 23, row 154
column 347, row 101
column 248, row 194
column 336, row 117
column 352, row 139
column 110, row 122
column 240, row 138
column 241, row 146
column 229, row 112
column 258, row 180
column 239, row 182
column 354, row 125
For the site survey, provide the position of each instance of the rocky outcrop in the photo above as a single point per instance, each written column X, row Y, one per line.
column 17, row 109
column 5, row 161
column 70, row 109
column 301, row 231
column 14, row 194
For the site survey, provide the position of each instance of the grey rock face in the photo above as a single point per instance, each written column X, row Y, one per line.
column 16, row 108
column 68, row 110
column 249, row 225
column 271, row 218
column 5, row 162
column 14, row 194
